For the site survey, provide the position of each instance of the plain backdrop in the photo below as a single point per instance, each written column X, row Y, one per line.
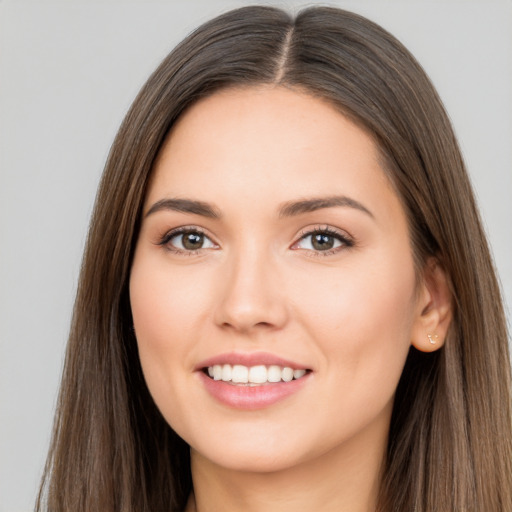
column 68, row 72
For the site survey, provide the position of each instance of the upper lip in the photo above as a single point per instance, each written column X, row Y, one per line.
column 250, row 359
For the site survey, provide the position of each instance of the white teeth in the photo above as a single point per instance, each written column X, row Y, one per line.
column 240, row 374
column 274, row 373
column 226, row 372
column 217, row 372
column 260, row 374
column 297, row 374
column 287, row 374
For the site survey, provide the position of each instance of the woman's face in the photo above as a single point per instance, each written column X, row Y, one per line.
column 272, row 241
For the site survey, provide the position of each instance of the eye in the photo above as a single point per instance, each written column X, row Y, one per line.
column 324, row 240
column 187, row 240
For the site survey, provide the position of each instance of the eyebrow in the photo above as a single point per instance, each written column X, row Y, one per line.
column 293, row 208
column 288, row 209
column 185, row 206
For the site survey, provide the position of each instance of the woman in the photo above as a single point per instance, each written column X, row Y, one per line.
column 286, row 299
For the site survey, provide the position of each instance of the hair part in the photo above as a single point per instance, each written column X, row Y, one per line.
column 450, row 436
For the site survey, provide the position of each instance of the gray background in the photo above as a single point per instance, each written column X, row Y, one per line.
column 68, row 72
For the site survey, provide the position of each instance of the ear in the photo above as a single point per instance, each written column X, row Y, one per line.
column 434, row 308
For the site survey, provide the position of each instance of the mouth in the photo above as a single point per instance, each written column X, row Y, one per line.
column 258, row 375
column 252, row 381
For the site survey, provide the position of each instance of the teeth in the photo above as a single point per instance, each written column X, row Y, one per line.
column 287, row 374
column 239, row 374
column 274, row 373
column 258, row 374
column 297, row 374
column 226, row 373
column 217, row 372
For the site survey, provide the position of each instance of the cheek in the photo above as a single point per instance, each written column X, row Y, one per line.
column 361, row 318
column 167, row 313
column 361, row 326
column 167, row 304
column 352, row 301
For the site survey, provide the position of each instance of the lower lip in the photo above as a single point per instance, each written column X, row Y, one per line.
column 251, row 397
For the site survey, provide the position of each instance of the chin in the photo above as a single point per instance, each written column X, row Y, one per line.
column 249, row 461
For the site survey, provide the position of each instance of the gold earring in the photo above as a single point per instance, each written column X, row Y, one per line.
column 433, row 338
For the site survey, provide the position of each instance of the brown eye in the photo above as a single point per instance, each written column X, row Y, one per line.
column 189, row 240
column 322, row 241
column 192, row 241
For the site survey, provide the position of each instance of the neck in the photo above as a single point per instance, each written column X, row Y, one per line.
column 346, row 479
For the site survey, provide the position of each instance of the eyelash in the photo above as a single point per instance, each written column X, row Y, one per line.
column 167, row 237
column 345, row 240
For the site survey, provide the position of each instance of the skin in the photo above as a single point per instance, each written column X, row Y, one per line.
column 349, row 315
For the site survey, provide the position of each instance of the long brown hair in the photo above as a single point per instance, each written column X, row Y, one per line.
column 450, row 435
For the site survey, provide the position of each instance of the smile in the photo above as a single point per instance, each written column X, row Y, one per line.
column 249, row 381
column 253, row 375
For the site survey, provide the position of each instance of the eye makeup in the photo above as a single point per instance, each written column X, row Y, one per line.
column 321, row 240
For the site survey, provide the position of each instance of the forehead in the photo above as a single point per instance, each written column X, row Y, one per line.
column 266, row 144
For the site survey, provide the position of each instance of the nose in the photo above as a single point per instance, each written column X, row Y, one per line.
column 251, row 297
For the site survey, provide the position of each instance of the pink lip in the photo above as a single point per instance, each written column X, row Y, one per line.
column 250, row 397
column 249, row 359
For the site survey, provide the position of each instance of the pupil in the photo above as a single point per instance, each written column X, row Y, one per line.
column 323, row 242
column 193, row 241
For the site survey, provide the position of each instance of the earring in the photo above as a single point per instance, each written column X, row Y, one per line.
column 433, row 338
